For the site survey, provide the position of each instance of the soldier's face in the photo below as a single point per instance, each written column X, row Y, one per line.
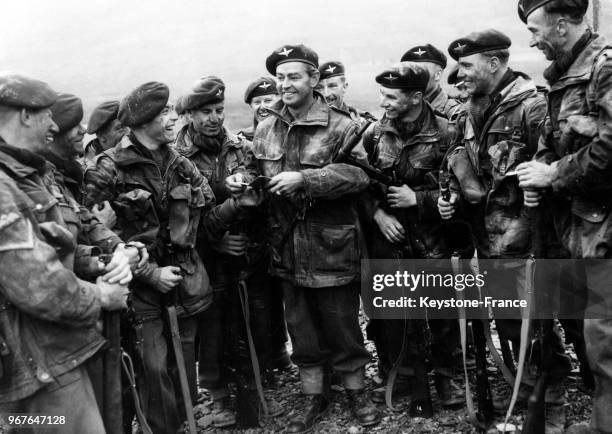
column 208, row 119
column 295, row 86
column 111, row 134
column 333, row 89
column 476, row 73
column 71, row 142
column 395, row 102
column 41, row 128
column 161, row 128
column 544, row 34
column 260, row 103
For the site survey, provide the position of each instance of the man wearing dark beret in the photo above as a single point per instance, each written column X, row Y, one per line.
column 218, row 154
column 312, row 200
column 259, row 95
column 572, row 168
column 163, row 201
column 434, row 61
column 500, row 129
column 333, row 84
column 409, row 143
column 104, row 124
column 40, row 294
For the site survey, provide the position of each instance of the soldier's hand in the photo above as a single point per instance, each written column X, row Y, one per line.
column 532, row 197
column 447, row 208
column 169, row 277
column 113, row 296
column 234, row 245
column 401, row 197
column 235, row 183
column 143, row 256
column 389, row 226
column 105, row 214
column 286, row 183
column 533, row 174
column 118, row 269
column 249, row 198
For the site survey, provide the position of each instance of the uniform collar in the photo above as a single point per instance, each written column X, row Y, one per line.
column 582, row 67
column 21, row 161
column 318, row 113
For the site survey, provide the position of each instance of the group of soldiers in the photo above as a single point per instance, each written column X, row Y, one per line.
column 213, row 245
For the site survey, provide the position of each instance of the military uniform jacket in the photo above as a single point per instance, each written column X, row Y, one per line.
column 47, row 314
column 216, row 165
column 415, row 161
column 578, row 135
column 322, row 245
column 509, row 136
column 441, row 102
column 163, row 207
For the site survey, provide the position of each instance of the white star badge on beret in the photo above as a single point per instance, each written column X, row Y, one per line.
column 285, row 52
column 219, row 92
column 331, row 69
column 265, row 85
column 419, row 52
column 460, row 47
column 390, row 77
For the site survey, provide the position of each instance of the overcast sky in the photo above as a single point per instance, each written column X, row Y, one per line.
column 100, row 49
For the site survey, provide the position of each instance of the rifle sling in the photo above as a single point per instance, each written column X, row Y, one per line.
column 128, row 368
column 244, row 302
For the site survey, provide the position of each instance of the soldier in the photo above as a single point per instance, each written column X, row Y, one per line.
column 48, row 316
column 499, row 130
column 409, row 143
column 434, row 61
column 333, row 84
column 573, row 163
column 162, row 200
column 104, row 124
column 217, row 154
column 311, row 201
column 259, row 95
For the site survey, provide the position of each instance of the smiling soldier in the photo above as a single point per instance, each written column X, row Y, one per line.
column 314, row 234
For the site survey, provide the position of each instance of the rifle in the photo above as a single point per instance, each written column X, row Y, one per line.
column 180, row 360
column 535, row 421
column 112, row 405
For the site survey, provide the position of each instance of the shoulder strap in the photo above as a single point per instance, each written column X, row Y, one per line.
column 600, row 59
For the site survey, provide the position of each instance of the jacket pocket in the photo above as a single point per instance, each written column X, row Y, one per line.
column 270, row 157
column 136, row 216
column 184, row 214
column 332, row 248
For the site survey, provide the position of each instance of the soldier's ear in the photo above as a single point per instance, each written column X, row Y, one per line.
column 561, row 27
column 314, row 79
column 494, row 64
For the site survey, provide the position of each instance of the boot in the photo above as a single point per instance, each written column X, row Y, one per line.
column 223, row 415
column 362, row 408
column 449, row 393
column 308, row 412
column 501, row 400
column 401, row 388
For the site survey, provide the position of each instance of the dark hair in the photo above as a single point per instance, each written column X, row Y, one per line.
column 502, row 54
column 573, row 12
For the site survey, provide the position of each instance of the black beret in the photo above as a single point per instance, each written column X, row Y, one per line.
column 143, row 103
column 261, row 86
column 452, row 76
column 413, row 77
column 478, row 42
column 102, row 115
column 21, row 91
column 526, row 7
column 425, row 53
column 207, row 90
column 67, row 112
column 291, row 53
column 331, row 69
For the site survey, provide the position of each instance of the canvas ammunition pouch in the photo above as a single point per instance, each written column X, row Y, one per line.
column 471, row 187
